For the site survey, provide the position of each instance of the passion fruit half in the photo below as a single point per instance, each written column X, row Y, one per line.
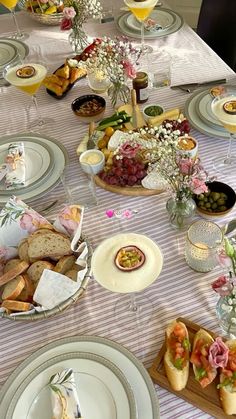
column 129, row 258
column 25, row 72
column 230, row 107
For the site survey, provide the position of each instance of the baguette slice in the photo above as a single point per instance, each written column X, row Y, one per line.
column 49, row 245
column 13, row 288
column 65, row 264
column 23, row 250
column 36, row 269
column 177, row 377
column 228, row 392
column 11, row 263
column 27, row 293
column 201, row 343
column 12, row 273
column 16, row 305
column 72, row 274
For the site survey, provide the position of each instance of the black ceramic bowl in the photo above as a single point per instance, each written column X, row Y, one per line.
column 218, row 201
column 93, row 111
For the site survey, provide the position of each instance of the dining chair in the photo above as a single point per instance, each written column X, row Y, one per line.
column 216, row 26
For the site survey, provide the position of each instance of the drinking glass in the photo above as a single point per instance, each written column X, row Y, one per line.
column 11, row 5
column 142, row 10
column 159, row 69
column 223, row 107
column 28, row 78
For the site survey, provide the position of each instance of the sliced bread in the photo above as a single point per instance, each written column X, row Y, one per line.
column 12, row 273
column 27, row 293
column 23, row 250
column 49, row 245
column 72, row 274
column 16, row 305
column 64, row 264
column 11, row 263
column 36, row 269
column 13, row 288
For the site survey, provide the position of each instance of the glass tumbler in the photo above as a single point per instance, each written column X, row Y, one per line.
column 202, row 242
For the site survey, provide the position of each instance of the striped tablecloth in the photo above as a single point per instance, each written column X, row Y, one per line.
column 179, row 291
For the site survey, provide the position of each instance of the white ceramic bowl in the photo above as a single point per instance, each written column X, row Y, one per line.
column 92, row 161
column 159, row 107
column 187, row 141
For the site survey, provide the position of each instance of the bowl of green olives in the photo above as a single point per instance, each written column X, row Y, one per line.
column 218, row 201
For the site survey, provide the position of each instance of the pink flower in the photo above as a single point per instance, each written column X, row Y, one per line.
column 128, row 150
column 198, row 186
column 218, row 354
column 223, row 259
column 127, row 213
column 32, row 221
column 222, row 286
column 70, row 218
column 110, row 213
column 129, row 69
column 3, row 252
column 66, row 24
column 69, row 12
column 185, row 166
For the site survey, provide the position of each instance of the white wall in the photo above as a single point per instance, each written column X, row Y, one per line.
column 189, row 9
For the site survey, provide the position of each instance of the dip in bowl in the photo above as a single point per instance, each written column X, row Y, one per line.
column 152, row 110
column 89, row 108
column 92, row 161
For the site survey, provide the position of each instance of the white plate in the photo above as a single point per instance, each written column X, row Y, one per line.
column 103, row 390
column 49, row 181
column 22, row 48
column 38, row 163
column 203, row 108
column 110, row 277
column 122, row 25
column 136, row 374
column 8, row 53
column 193, row 117
column 164, row 18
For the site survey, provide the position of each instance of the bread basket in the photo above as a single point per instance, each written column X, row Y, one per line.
column 50, row 20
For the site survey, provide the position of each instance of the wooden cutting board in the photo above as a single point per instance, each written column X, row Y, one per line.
column 205, row 399
column 126, row 190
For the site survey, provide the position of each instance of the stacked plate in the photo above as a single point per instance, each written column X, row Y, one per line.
column 11, row 51
column 198, row 112
column 166, row 22
column 111, row 382
column 45, row 160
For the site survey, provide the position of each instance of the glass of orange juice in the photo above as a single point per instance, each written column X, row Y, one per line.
column 11, row 5
column 28, row 78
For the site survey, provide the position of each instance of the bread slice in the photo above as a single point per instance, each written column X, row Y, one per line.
column 72, row 274
column 16, row 305
column 12, row 273
column 177, row 377
column 36, row 269
column 12, row 263
column 227, row 395
column 65, row 264
column 27, row 293
column 49, row 245
column 13, row 288
column 23, row 250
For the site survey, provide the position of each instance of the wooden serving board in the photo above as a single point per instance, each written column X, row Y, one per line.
column 126, row 190
column 205, row 399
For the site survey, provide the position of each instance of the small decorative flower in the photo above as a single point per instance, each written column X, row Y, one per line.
column 110, row 213
column 127, row 213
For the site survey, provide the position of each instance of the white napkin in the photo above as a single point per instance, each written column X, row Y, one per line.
column 15, row 161
column 65, row 401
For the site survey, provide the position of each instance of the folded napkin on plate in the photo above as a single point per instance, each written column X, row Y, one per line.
column 65, row 400
column 15, row 161
column 3, row 170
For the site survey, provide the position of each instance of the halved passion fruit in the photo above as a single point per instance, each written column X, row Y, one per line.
column 230, row 107
column 129, row 258
column 25, row 72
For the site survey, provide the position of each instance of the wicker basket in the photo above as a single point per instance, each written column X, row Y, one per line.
column 61, row 307
column 50, row 20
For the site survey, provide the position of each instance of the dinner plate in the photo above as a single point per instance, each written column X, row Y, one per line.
column 136, row 374
column 191, row 113
column 103, row 390
column 163, row 17
column 38, row 163
column 110, row 277
column 21, row 47
column 203, row 108
column 8, row 53
column 51, row 178
column 122, row 25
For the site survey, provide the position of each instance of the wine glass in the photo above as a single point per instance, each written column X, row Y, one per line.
column 141, row 10
column 11, row 5
column 28, row 77
column 223, row 107
column 127, row 263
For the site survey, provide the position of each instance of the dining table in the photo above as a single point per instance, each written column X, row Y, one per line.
column 179, row 291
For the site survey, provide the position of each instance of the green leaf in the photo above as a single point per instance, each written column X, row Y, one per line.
column 186, row 344
column 200, row 373
column 178, row 363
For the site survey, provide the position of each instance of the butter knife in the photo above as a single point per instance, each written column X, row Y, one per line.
column 92, row 136
column 189, row 87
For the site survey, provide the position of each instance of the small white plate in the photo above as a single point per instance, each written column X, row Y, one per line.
column 8, row 53
column 164, row 18
column 103, row 390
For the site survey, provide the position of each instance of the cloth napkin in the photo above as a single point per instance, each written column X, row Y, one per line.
column 15, row 160
column 65, row 400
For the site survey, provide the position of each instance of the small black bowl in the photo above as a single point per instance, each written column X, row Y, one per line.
column 70, row 85
column 93, row 116
column 218, row 205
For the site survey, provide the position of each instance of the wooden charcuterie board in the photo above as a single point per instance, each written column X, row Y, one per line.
column 126, row 190
column 205, row 399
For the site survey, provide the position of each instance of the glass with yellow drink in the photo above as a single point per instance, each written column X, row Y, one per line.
column 11, row 5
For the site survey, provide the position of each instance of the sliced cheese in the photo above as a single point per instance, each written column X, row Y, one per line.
column 171, row 114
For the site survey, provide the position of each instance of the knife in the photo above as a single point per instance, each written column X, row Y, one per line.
column 92, row 136
column 189, row 87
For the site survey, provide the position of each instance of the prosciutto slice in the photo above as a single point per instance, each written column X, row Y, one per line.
column 218, row 354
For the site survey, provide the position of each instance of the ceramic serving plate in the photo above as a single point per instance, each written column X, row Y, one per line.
column 8, row 53
column 22, row 50
column 130, row 366
column 164, row 18
column 203, row 108
column 103, row 390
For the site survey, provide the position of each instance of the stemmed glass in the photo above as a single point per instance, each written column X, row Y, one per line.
column 141, row 10
column 11, row 5
column 28, row 77
column 223, row 107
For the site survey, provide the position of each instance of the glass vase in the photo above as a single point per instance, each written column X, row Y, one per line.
column 226, row 314
column 119, row 93
column 78, row 39
column 180, row 212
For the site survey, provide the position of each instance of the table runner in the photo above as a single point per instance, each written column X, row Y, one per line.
column 178, row 291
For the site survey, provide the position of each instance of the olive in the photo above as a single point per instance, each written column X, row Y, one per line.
column 211, row 200
column 222, row 208
column 223, row 195
column 220, row 201
column 208, row 205
column 200, row 197
column 214, row 206
column 201, row 204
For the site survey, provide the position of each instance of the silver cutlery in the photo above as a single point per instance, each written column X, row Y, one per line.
column 92, row 137
column 190, row 87
column 229, row 227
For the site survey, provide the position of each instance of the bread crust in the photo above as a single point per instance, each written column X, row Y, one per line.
column 13, row 288
column 12, row 273
column 203, row 334
column 227, row 397
column 16, row 305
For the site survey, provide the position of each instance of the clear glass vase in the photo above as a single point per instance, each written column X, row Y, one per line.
column 181, row 212
column 78, row 39
column 119, row 93
column 226, row 313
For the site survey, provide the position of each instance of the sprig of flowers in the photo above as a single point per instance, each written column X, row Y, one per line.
column 76, row 12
